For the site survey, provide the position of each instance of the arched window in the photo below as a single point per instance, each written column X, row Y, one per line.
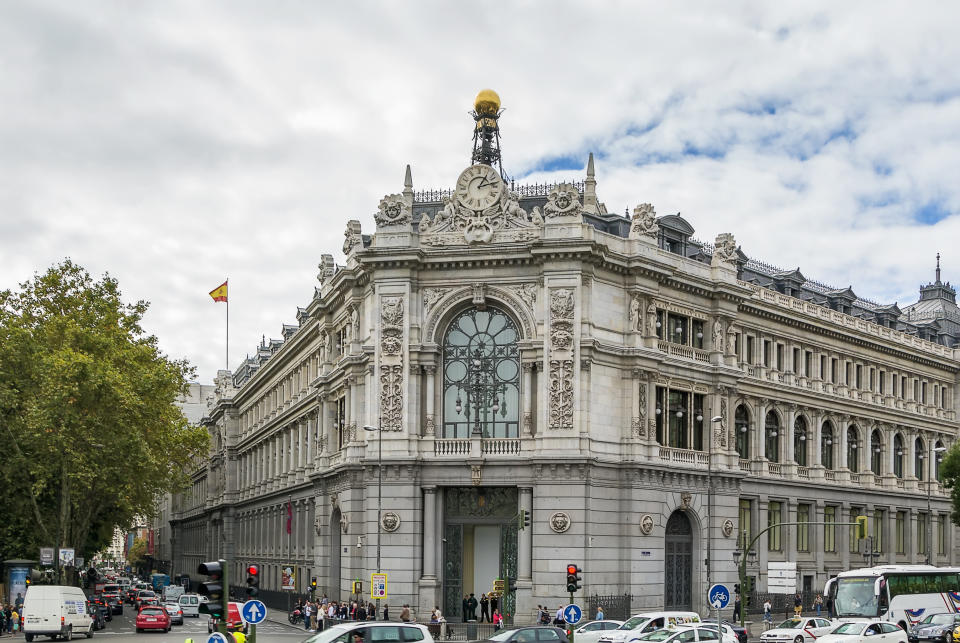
column 772, row 437
column 800, row 440
column 741, row 423
column 918, row 457
column 826, row 445
column 876, row 448
column 938, row 449
column 481, row 375
column 853, row 451
column 898, row 456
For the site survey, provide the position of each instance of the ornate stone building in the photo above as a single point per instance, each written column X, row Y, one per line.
column 519, row 348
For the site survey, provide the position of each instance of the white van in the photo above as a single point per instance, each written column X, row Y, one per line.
column 189, row 604
column 55, row 610
column 172, row 592
column 639, row 624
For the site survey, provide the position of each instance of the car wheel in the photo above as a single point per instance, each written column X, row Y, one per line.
column 29, row 637
column 799, row 639
column 90, row 633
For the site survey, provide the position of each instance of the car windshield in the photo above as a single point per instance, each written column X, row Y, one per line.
column 327, row 635
column 502, row 636
column 151, row 612
column 850, row 628
column 146, row 594
column 659, row 635
column 634, row 622
column 938, row 619
column 791, row 624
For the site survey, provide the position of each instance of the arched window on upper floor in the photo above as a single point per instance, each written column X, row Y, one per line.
column 772, row 437
column 938, row 450
column 481, row 375
column 826, row 445
column 800, row 441
column 741, row 424
column 919, row 455
column 853, row 451
column 898, row 455
column 876, row 450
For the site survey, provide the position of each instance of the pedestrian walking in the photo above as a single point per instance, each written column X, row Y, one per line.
column 767, row 615
column 497, row 620
column 599, row 614
column 386, row 612
column 818, row 604
column 307, row 613
column 405, row 613
column 736, row 607
column 797, row 605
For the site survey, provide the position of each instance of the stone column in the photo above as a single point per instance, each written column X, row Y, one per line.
column 348, row 410
column 430, row 418
column 528, row 393
column 429, row 532
column 841, row 440
column 844, row 546
column 300, row 443
column 524, row 594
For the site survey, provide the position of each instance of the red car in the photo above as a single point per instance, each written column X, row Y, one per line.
column 153, row 618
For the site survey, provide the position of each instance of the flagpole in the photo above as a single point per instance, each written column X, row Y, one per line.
column 227, row 363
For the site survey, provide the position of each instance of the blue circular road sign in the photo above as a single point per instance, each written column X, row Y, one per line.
column 718, row 596
column 217, row 637
column 572, row 614
column 253, row 612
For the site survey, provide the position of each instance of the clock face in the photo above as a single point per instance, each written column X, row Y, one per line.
column 479, row 187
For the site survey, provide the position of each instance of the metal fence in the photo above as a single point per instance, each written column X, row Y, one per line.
column 781, row 604
column 274, row 599
column 614, row 606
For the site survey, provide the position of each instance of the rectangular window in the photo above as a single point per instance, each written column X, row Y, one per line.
column 779, row 357
column 678, row 328
column 923, row 392
column 698, row 420
column 678, row 419
column 847, row 373
column 749, row 349
column 872, row 378
column 878, row 517
column 746, row 516
column 829, row 529
column 859, row 376
column 661, row 320
column 916, row 389
column 900, row 535
column 823, row 368
column 773, row 518
column 803, row 530
column 834, row 367
column 941, row 534
column 766, row 353
column 807, row 363
column 341, row 422
column 660, row 411
column 854, row 531
column 921, row 546
column 796, row 361
column 883, row 376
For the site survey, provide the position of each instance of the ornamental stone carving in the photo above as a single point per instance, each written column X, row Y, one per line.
column 650, row 326
column 317, row 524
column 727, row 528
column 390, row 521
column 636, row 313
column 563, row 204
column 352, row 237
column 431, row 296
column 327, row 269
column 391, row 363
column 561, row 319
column 527, row 293
column 561, row 394
column 721, row 431
column 644, row 223
column 455, row 224
column 561, row 364
column 324, row 345
column 344, row 523
column 355, row 322
column 646, row 524
column 724, row 251
column 718, row 335
column 393, row 211
column 685, row 499
column 560, row 522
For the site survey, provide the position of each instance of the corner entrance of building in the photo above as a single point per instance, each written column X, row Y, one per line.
column 480, row 544
column 678, row 564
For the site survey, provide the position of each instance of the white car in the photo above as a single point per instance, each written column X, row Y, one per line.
column 682, row 634
column 729, row 636
column 865, row 632
column 591, row 632
column 373, row 631
column 798, row 630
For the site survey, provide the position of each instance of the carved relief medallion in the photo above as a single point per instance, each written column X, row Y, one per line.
column 646, row 524
column 560, row 522
column 390, row 521
column 727, row 528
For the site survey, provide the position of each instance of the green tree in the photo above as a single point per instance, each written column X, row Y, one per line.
column 137, row 554
column 90, row 431
column 950, row 475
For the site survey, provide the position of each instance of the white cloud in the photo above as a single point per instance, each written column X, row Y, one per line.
column 175, row 144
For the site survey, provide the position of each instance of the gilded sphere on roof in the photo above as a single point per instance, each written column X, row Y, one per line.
column 487, row 103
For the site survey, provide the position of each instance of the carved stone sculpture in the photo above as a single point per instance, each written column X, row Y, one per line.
column 352, row 237
column 391, row 363
column 390, row 521
column 644, row 222
column 393, row 211
column 563, row 202
column 560, row 522
column 636, row 316
column 717, row 335
column 327, row 269
column 725, row 250
column 646, row 524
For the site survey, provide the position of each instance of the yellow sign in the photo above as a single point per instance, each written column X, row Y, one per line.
column 357, row 587
column 378, row 585
column 499, row 585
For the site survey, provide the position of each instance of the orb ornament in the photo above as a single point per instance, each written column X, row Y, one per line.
column 487, row 103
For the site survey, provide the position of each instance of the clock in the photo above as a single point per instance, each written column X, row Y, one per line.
column 479, row 187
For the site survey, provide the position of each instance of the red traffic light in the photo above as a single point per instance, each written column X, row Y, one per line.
column 253, row 570
column 572, row 569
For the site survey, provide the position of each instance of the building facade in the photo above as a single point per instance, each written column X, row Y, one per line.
column 650, row 400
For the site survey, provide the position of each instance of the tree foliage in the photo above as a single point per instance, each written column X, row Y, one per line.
column 950, row 475
column 137, row 554
column 90, row 430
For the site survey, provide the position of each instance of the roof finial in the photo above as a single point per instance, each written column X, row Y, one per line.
column 408, row 185
column 590, row 189
column 938, row 267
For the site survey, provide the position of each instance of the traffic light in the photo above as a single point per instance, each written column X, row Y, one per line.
column 861, row 526
column 511, row 584
column 212, row 587
column 736, row 588
column 523, row 519
column 253, row 580
column 313, row 583
column 28, row 581
column 573, row 578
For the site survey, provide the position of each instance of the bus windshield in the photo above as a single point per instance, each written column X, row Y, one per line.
column 855, row 598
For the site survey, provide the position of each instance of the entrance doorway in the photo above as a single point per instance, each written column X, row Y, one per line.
column 678, row 564
column 333, row 573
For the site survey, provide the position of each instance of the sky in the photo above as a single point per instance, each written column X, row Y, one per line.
column 174, row 144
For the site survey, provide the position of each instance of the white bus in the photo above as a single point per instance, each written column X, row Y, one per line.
column 901, row 594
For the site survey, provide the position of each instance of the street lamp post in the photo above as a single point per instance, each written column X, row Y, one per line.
column 936, row 459
column 379, row 432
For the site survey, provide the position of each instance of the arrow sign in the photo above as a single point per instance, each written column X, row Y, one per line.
column 572, row 614
column 217, row 637
column 718, row 596
column 253, row 612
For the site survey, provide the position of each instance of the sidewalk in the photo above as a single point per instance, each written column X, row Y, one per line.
column 279, row 617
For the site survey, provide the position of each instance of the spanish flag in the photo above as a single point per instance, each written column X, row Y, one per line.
column 220, row 292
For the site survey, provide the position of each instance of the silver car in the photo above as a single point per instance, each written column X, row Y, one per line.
column 174, row 612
